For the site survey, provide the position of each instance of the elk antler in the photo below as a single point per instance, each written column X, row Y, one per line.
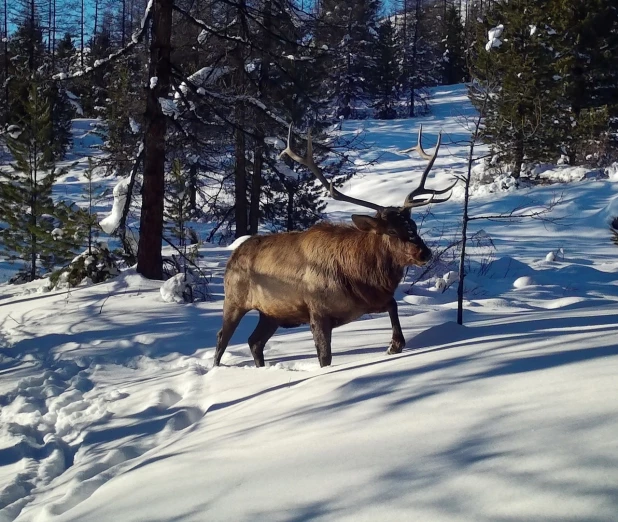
column 310, row 164
column 418, row 147
column 410, row 202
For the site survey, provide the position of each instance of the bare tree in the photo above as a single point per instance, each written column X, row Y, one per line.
column 513, row 215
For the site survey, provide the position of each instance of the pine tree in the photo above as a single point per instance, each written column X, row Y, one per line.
column 37, row 232
column 293, row 203
column 65, row 54
column 584, row 38
column 86, row 217
column 516, row 67
column 453, row 47
column 30, row 65
column 386, row 75
column 552, row 80
column 348, row 31
column 421, row 51
column 178, row 206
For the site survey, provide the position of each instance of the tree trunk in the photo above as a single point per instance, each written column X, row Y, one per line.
column 6, row 53
column 31, row 39
column 258, row 152
column 149, row 260
column 290, row 208
column 193, row 187
column 240, row 167
column 122, row 23
column 414, row 65
column 240, row 174
column 96, row 17
column 518, row 157
column 256, row 188
column 81, row 54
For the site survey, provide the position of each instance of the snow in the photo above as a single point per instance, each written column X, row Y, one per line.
column 277, row 143
column 111, row 409
column 493, row 37
column 169, row 107
column 135, row 128
column 110, row 223
column 57, row 233
column 203, row 76
column 14, row 131
column 153, row 82
column 238, row 242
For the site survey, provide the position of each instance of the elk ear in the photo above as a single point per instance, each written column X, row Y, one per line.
column 365, row 223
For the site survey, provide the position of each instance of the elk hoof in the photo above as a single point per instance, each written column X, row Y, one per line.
column 394, row 348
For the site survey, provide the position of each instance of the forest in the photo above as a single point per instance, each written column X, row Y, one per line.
column 192, row 99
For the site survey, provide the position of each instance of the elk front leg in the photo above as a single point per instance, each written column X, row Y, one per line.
column 322, row 330
column 397, row 341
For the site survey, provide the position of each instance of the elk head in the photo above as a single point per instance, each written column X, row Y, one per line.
column 391, row 222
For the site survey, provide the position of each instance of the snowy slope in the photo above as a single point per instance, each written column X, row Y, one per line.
column 111, row 410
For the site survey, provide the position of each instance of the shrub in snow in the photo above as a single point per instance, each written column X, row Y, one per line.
column 178, row 289
column 97, row 267
column 186, row 283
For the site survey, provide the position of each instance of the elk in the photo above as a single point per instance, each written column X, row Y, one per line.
column 328, row 275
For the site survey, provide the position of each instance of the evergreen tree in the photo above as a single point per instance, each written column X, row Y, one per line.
column 86, row 217
column 348, row 31
column 552, row 80
column 65, row 54
column 584, row 38
column 30, row 65
column 453, row 47
column 421, row 51
column 123, row 119
column 516, row 67
column 386, row 75
column 37, row 232
column 178, row 206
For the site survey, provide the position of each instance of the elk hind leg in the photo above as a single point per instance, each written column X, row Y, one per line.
column 264, row 330
column 322, row 330
column 231, row 317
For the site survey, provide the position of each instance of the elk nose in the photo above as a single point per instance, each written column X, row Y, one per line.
column 426, row 255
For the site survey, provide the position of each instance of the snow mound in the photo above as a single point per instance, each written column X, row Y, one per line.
column 523, row 282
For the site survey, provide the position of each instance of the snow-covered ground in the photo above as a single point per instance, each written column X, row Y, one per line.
column 111, row 410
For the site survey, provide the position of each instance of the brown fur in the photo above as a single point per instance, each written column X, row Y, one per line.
column 326, row 276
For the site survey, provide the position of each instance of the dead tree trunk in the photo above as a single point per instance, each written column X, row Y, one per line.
column 149, row 259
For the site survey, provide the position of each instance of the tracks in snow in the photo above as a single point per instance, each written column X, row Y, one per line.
column 56, row 423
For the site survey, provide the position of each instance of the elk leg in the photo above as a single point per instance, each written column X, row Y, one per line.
column 322, row 330
column 397, row 341
column 264, row 330
column 231, row 318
